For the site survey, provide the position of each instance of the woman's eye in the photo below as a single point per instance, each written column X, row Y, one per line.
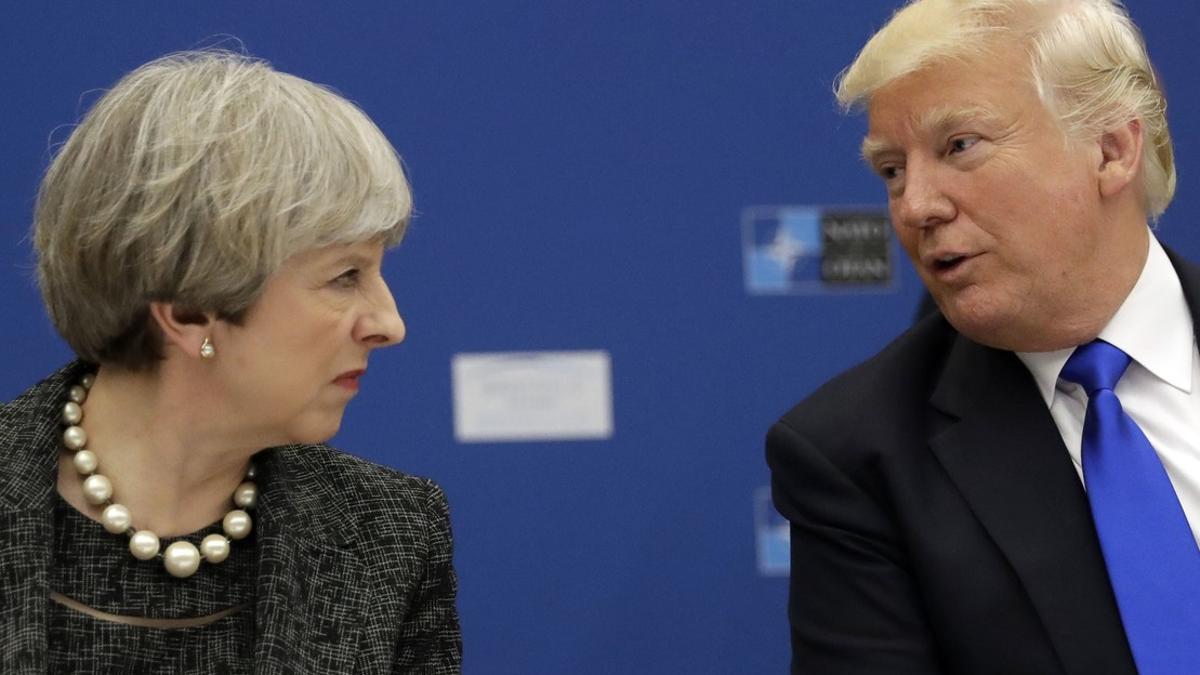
column 347, row 279
column 962, row 143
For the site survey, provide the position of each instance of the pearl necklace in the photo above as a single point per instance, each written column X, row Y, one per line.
column 181, row 558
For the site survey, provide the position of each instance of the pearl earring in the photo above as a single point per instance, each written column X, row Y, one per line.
column 207, row 350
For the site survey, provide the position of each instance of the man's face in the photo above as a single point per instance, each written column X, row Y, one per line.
column 1000, row 213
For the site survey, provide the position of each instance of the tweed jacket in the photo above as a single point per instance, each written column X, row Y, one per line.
column 354, row 570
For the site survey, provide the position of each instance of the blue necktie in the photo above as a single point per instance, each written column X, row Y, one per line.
column 1152, row 557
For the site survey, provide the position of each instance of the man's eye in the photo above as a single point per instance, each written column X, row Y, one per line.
column 962, row 143
column 890, row 172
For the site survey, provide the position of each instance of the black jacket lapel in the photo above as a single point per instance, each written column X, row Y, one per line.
column 1189, row 278
column 1003, row 451
column 309, row 607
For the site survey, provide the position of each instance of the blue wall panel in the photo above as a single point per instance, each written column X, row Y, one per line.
column 580, row 169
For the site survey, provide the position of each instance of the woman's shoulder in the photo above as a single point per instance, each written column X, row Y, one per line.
column 50, row 391
column 340, row 466
column 29, row 436
column 366, row 490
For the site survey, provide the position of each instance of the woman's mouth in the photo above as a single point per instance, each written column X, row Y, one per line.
column 349, row 379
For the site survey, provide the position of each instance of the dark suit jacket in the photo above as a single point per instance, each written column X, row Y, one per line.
column 354, row 570
column 938, row 525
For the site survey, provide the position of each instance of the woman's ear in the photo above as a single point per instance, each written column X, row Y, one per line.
column 1120, row 158
column 183, row 329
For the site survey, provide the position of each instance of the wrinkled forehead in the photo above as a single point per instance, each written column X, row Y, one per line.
column 950, row 93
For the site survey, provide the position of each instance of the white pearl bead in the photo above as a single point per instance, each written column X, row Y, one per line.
column 77, row 394
column 116, row 518
column 72, row 413
column 87, row 381
column 143, row 544
column 215, row 548
column 181, row 559
column 74, row 437
column 246, row 495
column 97, row 489
column 236, row 524
column 251, row 471
column 85, row 462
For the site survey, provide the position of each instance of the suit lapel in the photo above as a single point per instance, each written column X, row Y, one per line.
column 1189, row 279
column 1001, row 448
column 309, row 607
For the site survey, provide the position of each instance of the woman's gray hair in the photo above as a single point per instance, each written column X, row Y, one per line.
column 1087, row 60
column 190, row 182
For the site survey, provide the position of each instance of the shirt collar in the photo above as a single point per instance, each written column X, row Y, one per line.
column 1153, row 326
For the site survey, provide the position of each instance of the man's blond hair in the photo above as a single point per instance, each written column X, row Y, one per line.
column 1087, row 59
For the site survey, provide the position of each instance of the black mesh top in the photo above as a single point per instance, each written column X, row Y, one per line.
column 95, row 568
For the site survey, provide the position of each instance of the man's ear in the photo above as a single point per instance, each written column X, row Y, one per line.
column 181, row 328
column 1120, row 158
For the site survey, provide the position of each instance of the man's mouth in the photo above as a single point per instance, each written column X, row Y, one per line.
column 947, row 262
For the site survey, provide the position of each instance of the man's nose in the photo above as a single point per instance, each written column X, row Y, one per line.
column 923, row 201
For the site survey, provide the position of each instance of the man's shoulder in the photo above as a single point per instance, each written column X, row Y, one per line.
column 888, row 391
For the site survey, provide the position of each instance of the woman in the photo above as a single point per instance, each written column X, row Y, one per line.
column 209, row 243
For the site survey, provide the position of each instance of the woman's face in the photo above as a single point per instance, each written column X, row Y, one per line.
column 295, row 362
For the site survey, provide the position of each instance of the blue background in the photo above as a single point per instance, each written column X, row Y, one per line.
column 580, row 170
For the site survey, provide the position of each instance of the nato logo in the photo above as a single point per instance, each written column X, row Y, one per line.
column 809, row 249
column 772, row 536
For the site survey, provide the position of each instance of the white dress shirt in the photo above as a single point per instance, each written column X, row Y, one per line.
column 1159, row 390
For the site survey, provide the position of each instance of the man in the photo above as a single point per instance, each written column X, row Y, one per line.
column 940, row 522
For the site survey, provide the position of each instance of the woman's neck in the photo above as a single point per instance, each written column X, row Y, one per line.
column 172, row 461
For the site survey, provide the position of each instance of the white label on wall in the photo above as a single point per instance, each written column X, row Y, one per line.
column 532, row 396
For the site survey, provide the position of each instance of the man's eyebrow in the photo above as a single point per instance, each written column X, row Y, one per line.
column 933, row 122
column 871, row 149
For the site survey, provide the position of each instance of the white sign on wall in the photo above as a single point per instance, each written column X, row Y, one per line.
column 532, row 396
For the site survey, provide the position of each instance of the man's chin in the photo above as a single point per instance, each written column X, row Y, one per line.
column 1009, row 330
column 982, row 321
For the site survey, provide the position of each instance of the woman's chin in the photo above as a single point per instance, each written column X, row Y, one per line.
column 315, row 431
